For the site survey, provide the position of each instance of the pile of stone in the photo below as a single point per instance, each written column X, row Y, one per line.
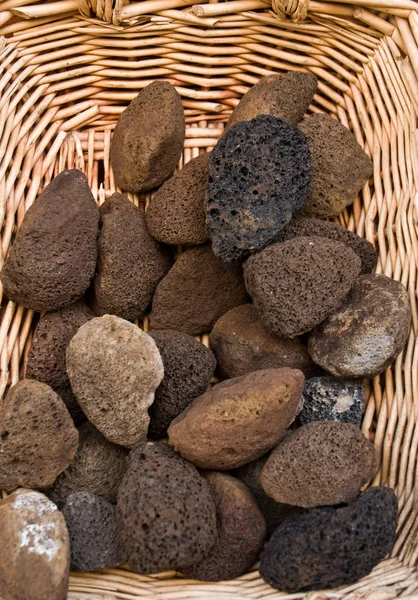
column 141, row 455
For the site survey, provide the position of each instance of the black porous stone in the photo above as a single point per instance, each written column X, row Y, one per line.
column 92, row 527
column 332, row 399
column 259, row 176
column 327, row 547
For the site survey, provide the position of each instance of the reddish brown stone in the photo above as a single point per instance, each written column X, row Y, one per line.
column 238, row 420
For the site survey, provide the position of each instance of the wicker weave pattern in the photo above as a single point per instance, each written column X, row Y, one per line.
column 68, row 72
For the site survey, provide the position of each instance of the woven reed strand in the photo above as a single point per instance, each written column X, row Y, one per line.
column 65, row 76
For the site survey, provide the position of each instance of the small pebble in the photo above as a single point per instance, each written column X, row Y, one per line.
column 301, row 226
column 38, row 439
column 97, row 468
column 131, row 262
column 253, row 164
column 331, row 399
column 34, row 549
column 364, row 336
column 197, row 290
column 166, row 516
column 330, row 547
column 297, row 284
column 241, row 531
column 53, row 257
column 91, row 523
column 238, row 420
column 148, row 139
column 242, row 344
column 176, row 214
column 286, row 96
column 323, row 463
column 114, row 369
column 340, row 166
column 275, row 513
column 188, row 368
column 46, row 360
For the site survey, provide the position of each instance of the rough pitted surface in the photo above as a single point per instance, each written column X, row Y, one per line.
column 241, row 531
column 131, row 262
column 91, row 524
column 238, row 420
column 197, row 290
column 327, row 547
column 365, row 335
column 176, row 214
column 98, row 468
column 340, row 166
column 34, row 549
column 285, row 96
column 323, row 463
column 166, row 517
column 46, row 360
column 114, row 369
column 188, row 368
column 274, row 512
column 54, row 255
column 148, row 139
column 297, row 284
column 331, row 399
column 253, row 165
column 242, row 344
column 38, row 439
column 302, row 226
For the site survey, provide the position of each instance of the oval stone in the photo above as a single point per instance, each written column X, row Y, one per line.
column 34, row 549
column 148, row 139
column 114, row 370
column 297, row 284
column 53, row 257
column 238, row 420
column 323, row 463
column 365, row 335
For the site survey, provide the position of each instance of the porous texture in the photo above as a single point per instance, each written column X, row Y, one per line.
column 166, row 517
column 323, row 463
column 34, row 549
column 242, row 344
column 238, row 420
column 54, row 254
column 286, row 96
column 197, row 290
column 38, row 439
column 188, row 368
column 91, row 524
column 114, row 370
column 301, row 226
column 241, row 531
column 331, row 399
column 297, row 284
column 176, row 214
column 339, row 164
column 275, row 513
column 97, row 468
column 148, row 139
column 365, row 335
column 131, row 262
column 327, row 547
column 252, row 166
column 46, row 360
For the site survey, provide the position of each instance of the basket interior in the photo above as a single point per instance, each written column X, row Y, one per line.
column 58, row 108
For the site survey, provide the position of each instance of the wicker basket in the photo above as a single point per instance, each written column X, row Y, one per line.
column 69, row 68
